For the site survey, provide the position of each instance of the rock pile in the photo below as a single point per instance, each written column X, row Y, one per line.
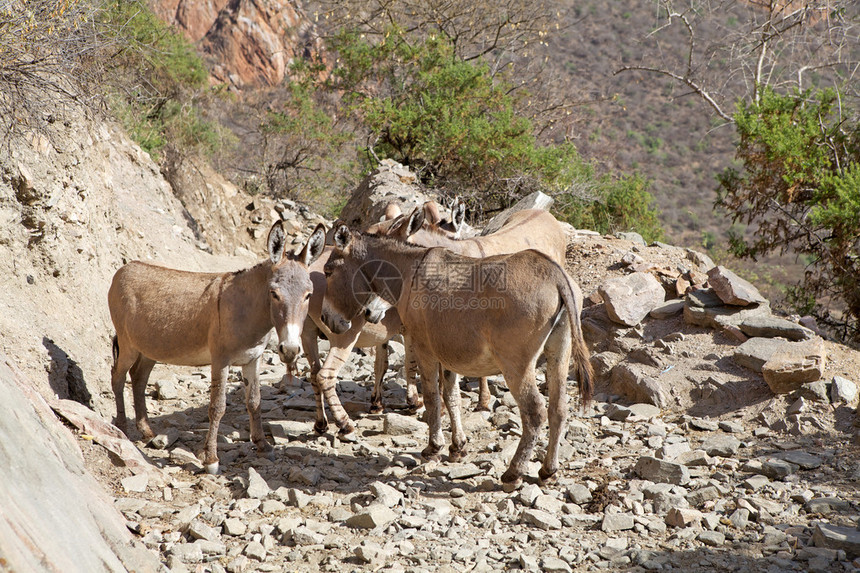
column 640, row 487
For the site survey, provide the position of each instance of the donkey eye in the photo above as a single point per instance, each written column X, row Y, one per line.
column 308, row 296
column 275, row 294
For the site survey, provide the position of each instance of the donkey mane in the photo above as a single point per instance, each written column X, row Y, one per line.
column 369, row 240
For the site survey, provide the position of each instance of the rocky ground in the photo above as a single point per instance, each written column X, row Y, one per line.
column 726, row 475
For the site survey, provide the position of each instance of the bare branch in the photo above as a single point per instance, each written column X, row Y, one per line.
column 686, row 81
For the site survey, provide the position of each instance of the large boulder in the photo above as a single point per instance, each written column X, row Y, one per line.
column 53, row 515
column 630, row 298
column 390, row 183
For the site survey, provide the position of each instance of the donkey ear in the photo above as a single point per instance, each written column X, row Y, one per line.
column 342, row 237
column 431, row 213
column 277, row 242
column 458, row 214
column 392, row 211
column 314, row 247
column 416, row 221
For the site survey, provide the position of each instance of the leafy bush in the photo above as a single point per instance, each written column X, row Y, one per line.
column 610, row 204
column 457, row 125
column 799, row 189
column 44, row 45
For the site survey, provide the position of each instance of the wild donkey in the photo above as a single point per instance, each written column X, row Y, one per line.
column 222, row 319
column 528, row 229
column 361, row 333
column 345, row 335
column 476, row 317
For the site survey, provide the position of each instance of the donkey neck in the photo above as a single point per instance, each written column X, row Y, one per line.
column 249, row 287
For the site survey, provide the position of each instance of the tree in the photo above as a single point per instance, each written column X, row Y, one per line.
column 800, row 187
column 784, row 77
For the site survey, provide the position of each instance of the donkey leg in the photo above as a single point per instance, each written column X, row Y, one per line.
column 451, row 395
column 139, row 377
column 430, row 388
column 557, row 352
column 483, row 396
column 380, row 367
column 414, row 398
column 124, row 359
column 251, row 382
column 327, row 381
column 217, row 407
column 310, row 344
column 532, row 413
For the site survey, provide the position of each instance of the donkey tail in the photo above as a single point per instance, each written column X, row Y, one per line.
column 579, row 354
column 115, row 347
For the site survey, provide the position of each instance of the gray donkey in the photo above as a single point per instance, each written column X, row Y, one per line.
column 476, row 317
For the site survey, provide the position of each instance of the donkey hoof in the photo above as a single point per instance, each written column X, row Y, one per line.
column 547, row 476
column 482, row 408
column 266, row 450
column 212, row 469
column 320, row 427
column 146, row 432
column 456, row 455
column 431, row 454
column 376, row 408
column 512, row 477
column 350, row 436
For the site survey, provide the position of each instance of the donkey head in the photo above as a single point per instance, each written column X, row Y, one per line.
column 352, row 284
column 290, row 288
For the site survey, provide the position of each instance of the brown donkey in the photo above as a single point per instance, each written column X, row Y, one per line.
column 359, row 332
column 476, row 317
column 343, row 337
column 528, row 229
column 222, row 319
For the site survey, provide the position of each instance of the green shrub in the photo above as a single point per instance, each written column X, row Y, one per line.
column 799, row 190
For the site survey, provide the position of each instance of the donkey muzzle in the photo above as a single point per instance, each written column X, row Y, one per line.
column 336, row 324
column 288, row 353
column 374, row 315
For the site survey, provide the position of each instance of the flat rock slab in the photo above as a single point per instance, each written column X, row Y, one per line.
column 770, row 326
column 794, row 364
column 704, row 298
column 804, row 460
column 732, row 289
column 375, row 515
column 399, row 425
column 645, row 411
column 755, row 352
column 721, row 445
column 834, row 537
column 721, row 316
column 667, row 309
column 629, row 299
